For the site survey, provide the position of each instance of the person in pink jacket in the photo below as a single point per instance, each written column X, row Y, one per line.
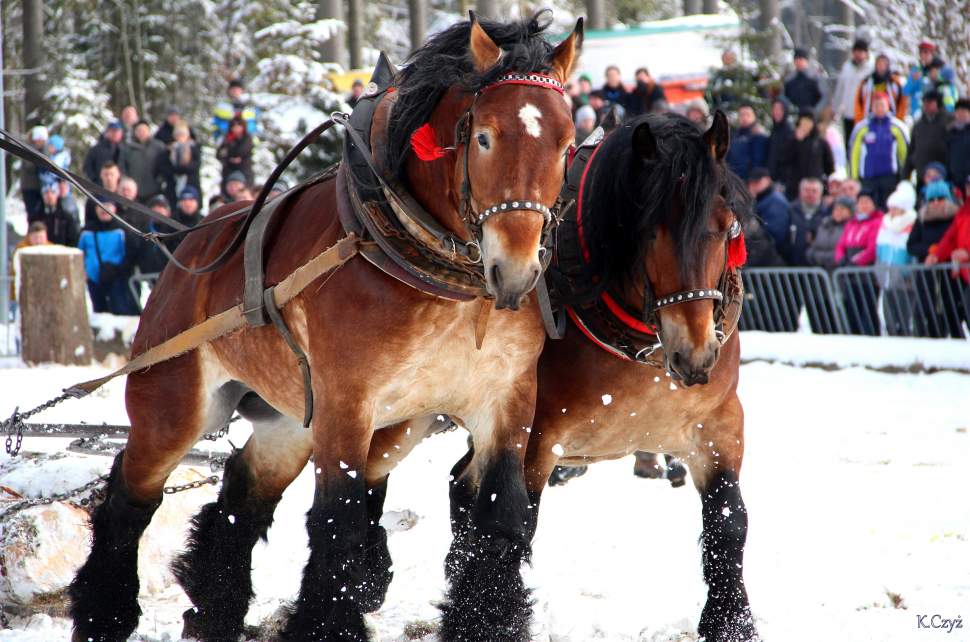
column 857, row 245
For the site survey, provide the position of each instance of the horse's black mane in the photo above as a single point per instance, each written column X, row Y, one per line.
column 445, row 61
column 626, row 197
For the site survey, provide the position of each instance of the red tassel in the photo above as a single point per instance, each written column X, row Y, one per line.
column 737, row 252
column 424, row 144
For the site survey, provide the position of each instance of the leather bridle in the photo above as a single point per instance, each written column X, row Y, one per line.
column 475, row 219
column 653, row 305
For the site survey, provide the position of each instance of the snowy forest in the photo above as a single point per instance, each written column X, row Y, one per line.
column 71, row 64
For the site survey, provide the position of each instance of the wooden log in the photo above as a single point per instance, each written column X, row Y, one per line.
column 54, row 326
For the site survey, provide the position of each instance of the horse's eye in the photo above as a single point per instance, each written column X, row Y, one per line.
column 482, row 140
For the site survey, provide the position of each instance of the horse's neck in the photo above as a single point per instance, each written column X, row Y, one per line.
column 437, row 184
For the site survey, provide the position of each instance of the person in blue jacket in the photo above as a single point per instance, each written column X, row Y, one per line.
column 749, row 144
column 105, row 246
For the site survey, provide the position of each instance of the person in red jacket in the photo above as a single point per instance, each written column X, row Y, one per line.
column 955, row 244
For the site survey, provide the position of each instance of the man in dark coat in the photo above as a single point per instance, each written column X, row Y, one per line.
column 106, row 150
column 613, row 90
column 187, row 211
column 801, row 88
column 166, row 131
column 958, row 144
column 788, row 230
column 779, row 139
column 808, row 206
column 749, row 144
column 62, row 225
column 806, row 156
column 927, row 140
column 142, row 160
column 647, row 94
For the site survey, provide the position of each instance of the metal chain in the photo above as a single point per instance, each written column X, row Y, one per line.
column 14, row 426
column 95, row 487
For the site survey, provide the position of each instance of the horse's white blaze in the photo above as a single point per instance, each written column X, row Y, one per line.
column 530, row 115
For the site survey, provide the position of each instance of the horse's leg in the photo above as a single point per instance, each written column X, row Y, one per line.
column 461, row 495
column 715, row 467
column 388, row 447
column 540, row 461
column 488, row 600
column 215, row 570
column 170, row 406
column 330, row 606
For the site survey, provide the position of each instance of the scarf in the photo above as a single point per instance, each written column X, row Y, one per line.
column 899, row 224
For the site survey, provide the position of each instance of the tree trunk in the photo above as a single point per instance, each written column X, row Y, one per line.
column 333, row 49
column 596, row 13
column 487, row 9
column 34, row 60
column 771, row 25
column 710, row 6
column 692, row 7
column 418, row 10
column 53, row 312
column 355, row 15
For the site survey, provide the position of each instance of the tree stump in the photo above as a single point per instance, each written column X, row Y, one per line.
column 54, row 325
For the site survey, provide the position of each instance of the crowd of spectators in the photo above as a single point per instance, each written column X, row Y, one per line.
column 874, row 172
column 158, row 167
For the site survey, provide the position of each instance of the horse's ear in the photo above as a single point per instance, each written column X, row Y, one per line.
column 566, row 54
column 644, row 142
column 718, row 137
column 485, row 53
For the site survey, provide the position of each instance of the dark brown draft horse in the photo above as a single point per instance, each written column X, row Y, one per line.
column 658, row 213
column 647, row 248
column 380, row 353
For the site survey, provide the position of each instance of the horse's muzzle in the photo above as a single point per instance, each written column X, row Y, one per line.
column 692, row 368
column 510, row 287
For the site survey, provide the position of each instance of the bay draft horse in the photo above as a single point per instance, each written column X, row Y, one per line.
column 645, row 229
column 657, row 209
column 380, row 353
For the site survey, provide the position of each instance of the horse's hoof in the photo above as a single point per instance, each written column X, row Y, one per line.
column 676, row 474
column 647, row 467
column 190, row 624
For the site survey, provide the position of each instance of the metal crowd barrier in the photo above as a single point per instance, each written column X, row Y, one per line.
column 135, row 282
column 910, row 300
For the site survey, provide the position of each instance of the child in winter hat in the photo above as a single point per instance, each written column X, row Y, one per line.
column 896, row 226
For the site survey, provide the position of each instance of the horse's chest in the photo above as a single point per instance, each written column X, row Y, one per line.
column 456, row 378
column 619, row 418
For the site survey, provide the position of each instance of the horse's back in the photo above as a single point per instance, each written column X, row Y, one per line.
column 302, row 228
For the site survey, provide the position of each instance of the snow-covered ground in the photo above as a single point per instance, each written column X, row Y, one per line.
column 855, row 483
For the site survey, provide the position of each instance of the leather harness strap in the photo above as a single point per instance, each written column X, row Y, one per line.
column 232, row 319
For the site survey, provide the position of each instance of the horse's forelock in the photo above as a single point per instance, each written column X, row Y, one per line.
column 632, row 197
column 444, row 62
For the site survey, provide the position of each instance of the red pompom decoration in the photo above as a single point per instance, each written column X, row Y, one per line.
column 424, row 144
column 737, row 252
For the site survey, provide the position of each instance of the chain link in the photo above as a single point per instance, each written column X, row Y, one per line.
column 14, row 426
column 95, row 487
